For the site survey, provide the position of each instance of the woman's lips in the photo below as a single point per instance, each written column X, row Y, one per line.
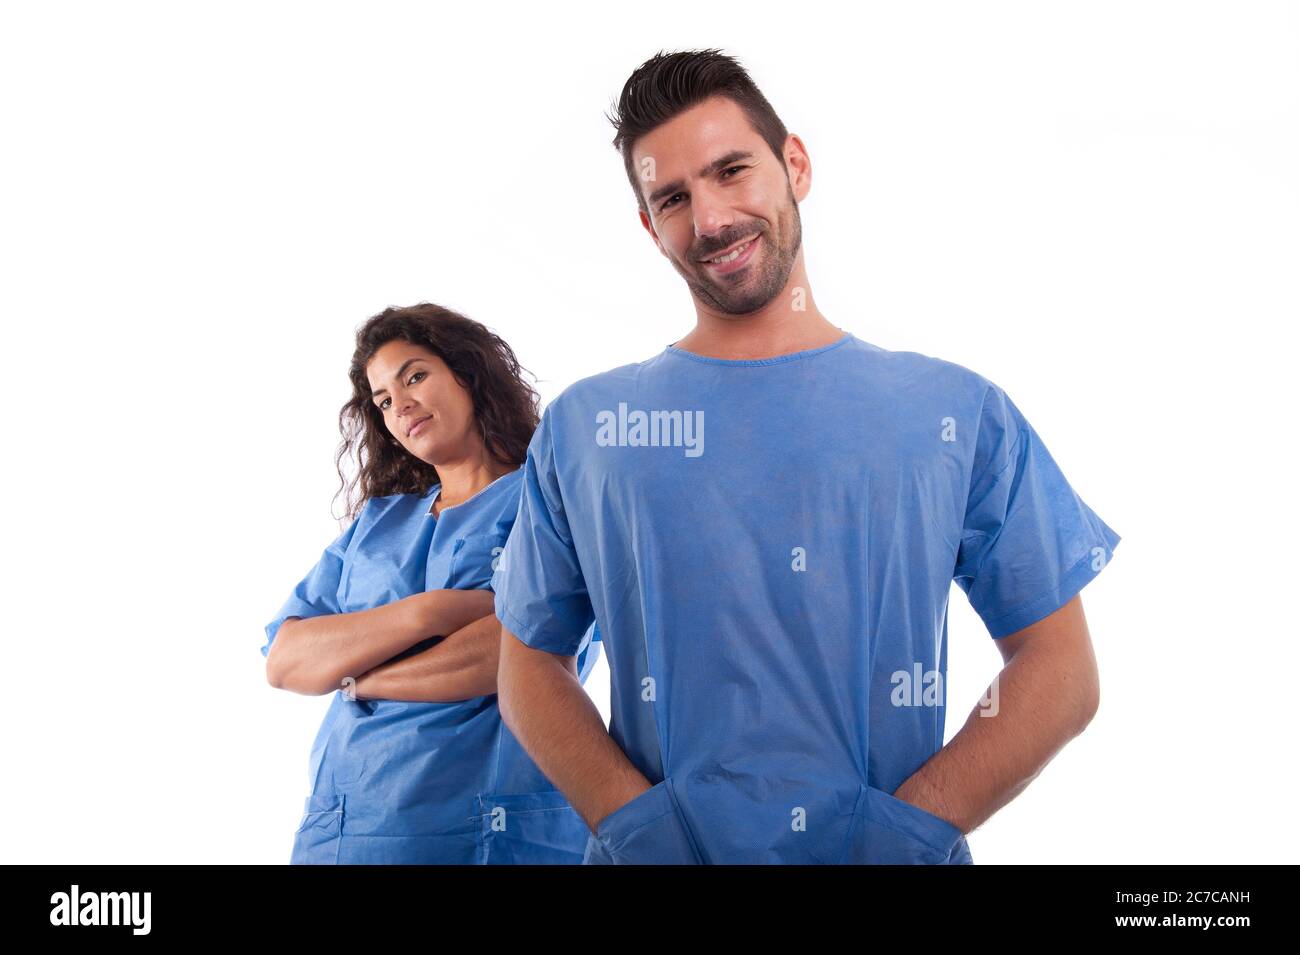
column 418, row 426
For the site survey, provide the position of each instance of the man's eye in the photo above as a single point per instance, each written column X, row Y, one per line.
column 671, row 199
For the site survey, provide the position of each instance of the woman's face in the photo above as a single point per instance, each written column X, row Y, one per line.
column 424, row 407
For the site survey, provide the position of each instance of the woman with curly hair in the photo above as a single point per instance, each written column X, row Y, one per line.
column 413, row 763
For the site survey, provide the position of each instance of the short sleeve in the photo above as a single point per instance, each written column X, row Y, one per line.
column 588, row 653
column 1029, row 543
column 541, row 594
column 317, row 593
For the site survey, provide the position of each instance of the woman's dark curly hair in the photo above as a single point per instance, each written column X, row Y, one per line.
column 505, row 406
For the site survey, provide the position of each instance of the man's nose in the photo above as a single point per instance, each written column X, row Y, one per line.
column 712, row 214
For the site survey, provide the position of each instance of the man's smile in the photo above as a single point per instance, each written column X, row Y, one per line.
column 735, row 258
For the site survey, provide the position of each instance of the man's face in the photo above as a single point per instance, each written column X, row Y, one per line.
column 716, row 188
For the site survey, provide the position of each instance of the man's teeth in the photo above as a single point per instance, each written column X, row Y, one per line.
column 729, row 258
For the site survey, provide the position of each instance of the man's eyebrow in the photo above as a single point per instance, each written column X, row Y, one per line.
column 719, row 164
column 401, row 371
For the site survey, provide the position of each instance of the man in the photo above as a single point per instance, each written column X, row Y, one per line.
column 765, row 520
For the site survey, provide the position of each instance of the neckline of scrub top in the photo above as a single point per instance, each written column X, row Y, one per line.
column 775, row 360
column 437, row 490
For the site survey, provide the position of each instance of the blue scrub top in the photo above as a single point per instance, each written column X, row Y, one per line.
column 768, row 547
column 414, row 782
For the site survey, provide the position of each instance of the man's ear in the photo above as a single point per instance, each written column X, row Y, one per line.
column 798, row 168
column 645, row 224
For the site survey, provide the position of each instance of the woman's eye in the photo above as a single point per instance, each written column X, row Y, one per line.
column 383, row 405
column 415, row 377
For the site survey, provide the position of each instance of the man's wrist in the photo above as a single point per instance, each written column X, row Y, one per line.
column 630, row 790
column 918, row 792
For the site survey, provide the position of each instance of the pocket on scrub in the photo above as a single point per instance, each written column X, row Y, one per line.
column 648, row 830
column 474, row 559
column 316, row 842
column 892, row 831
column 538, row 828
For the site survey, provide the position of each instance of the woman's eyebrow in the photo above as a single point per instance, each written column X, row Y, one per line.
column 401, row 371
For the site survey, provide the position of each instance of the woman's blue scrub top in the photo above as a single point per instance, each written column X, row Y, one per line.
column 768, row 547
column 413, row 782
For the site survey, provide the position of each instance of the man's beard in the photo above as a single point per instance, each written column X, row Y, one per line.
column 763, row 278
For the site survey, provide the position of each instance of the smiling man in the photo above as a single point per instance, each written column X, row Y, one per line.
column 771, row 603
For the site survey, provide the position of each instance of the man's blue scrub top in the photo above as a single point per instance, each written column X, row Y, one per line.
column 411, row 782
column 768, row 547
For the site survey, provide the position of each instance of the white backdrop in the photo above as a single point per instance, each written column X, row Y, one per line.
column 1094, row 205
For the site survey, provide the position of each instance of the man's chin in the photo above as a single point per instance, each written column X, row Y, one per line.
column 725, row 288
column 739, row 308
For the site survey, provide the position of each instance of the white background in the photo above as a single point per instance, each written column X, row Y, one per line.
column 1094, row 205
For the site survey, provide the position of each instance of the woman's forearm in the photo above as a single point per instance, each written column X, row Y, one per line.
column 315, row 655
column 460, row 667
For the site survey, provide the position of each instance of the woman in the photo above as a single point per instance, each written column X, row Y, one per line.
column 412, row 763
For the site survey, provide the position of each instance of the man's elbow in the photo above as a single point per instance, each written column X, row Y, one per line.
column 1089, row 702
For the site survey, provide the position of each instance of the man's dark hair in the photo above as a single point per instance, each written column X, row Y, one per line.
column 668, row 84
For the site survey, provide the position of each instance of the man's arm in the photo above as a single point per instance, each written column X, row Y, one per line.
column 313, row 655
column 460, row 667
column 545, row 706
column 1047, row 693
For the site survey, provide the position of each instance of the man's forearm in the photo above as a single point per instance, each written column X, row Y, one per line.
column 1042, row 703
column 545, row 706
column 314, row 655
column 460, row 667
